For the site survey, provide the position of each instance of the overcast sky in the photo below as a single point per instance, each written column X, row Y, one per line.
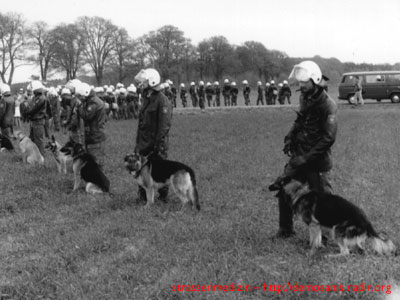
column 357, row 30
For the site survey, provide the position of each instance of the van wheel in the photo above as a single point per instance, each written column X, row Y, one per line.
column 350, row 99
column 395, row 98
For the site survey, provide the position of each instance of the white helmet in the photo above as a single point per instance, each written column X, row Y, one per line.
column 208, row 84
column 226, row 80
column 192, row 83
column 280, row 85
column 149, row 77
column 83, row 89
column 112, row 87
column 272, row 81
column 245, row 82
column 165, row 85
column 216, row 83
column 259, row 83
column 5, row 88
column 267, row 84
column 65, row 91
column 119, row 85
column 122, row 91
column 285, row 82
column 233, row 83
column 36, row 85
column 99, row 89
column 109, row 90
column 52, row 91
column 105, row 87
column 305, row 71
column 201, row 82
column 72, row 84
column 169, row 82
column 182, row 85
column 132, row 88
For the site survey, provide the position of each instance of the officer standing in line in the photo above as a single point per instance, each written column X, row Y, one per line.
column 37, row 114
column 233, row 94
column 173, row 92
column 246, row 92
column 260, row 96
column 267, row 97
column 226, row 92
column 209, row 94
column 74, row 122
column 183, row 96
column 272, row 92
column 6, row 110
column 201, row 94
column 193, row 94
column 217, row 92
column 310, row 139
column 286, row 92
column 154, row 122
column 93, row 113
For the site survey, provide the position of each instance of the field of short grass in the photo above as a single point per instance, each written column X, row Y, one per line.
column 55, row 244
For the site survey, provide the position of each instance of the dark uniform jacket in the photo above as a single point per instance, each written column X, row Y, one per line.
column 246, row 91
column 234, row 91
column 285, row 90
column 93, row 114
column 201, row 91
column 314, row 131
column 260, row 91
column 183, row 93
column 226, row 90
column 154, row 124
column 209, row 90
column 217, row 91
column 6, row 111
column 37, row 110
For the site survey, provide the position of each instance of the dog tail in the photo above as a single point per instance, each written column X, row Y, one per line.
column 194, row 195
column 380, row 244
column 196, row 198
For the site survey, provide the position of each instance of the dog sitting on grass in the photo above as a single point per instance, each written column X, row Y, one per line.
column 61, row 158
column 348, row 224
column 30, row 151
column 153, row 173
column 85, row 167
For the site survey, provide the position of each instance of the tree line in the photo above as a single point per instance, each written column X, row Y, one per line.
column 98, row 45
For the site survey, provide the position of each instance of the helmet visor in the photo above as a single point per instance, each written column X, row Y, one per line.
column 142, row 79
column 299, row 74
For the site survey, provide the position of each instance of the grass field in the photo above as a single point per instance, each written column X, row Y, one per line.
column 55, row 244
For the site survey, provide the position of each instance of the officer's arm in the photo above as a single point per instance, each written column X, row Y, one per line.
column 37, row 107
column 164, row 122
column 329, row 129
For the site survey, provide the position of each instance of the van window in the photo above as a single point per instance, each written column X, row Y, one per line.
column 374, row 78
column 393, row 77
column 349, row 79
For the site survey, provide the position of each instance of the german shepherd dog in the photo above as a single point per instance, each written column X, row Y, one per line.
column 85, row 167
column 5, row 143
column 62, row 158
column 153, row 173
column 348, row 224
column 30, row 152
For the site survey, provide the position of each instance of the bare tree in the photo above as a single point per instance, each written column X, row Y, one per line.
column 122, row 57
column 99, row 34
column 43, row 41
column 68, row 47
column 12, row 34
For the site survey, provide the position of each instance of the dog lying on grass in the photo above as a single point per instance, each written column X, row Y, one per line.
column 61, row 158
column 153, row 173
column 348, row 224
column 85, row 167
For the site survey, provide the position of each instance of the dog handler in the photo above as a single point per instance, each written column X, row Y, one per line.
column 310, row 139
column 154, row 121
column 93, row 113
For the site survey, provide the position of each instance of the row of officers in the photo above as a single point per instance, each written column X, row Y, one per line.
column 211, row 93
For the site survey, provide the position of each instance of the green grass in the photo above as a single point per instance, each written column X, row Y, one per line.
column 55, row 244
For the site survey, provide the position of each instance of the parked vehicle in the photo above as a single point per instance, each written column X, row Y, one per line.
column 377, row 85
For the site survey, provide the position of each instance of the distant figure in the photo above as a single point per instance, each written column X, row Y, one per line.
column 260, row 97
column 358, row 99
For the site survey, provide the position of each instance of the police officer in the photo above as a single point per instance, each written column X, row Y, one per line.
column 93, row 113
column 154, row 121
column 133, row 102
column 260, row 97
column 6, row 110
column 209, row 94
column 272, row 92
column 37, row 114
column 54, row 101
column 267, row 97
column 217, row 92
column 193, row 94
column 173, row 92
column 233, row 94
column 74, row 123
column 246, row 92
column 286, row 92
column 226, row 92
column 310, row 139
column 183, row 93
column 201, row 94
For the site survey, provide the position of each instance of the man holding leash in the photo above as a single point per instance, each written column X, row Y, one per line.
column 310, row 139
column 154, row 122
